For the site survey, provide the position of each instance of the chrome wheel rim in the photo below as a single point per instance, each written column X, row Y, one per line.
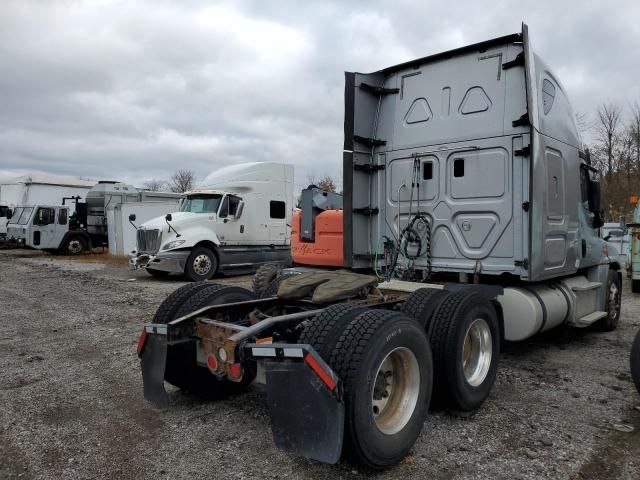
column 202, row 264
column 75, row 246
column 395, row 391
column 614, row 301
column 477, row 351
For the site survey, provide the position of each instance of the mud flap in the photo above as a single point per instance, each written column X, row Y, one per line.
column 153, row 363
column 306, row 417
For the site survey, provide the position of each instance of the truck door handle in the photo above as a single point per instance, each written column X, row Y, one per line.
column 241, row 228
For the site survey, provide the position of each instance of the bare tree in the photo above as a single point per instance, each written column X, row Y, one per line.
column 607, row 129
column 327, row 184
column 633, row 129
column 155, row 185
column 182, row 181
column 583, row 122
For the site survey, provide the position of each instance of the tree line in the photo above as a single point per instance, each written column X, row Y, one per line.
column 615, row 151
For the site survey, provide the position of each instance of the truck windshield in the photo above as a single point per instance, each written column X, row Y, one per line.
column 200, row 203
column 16, row 215
column 21, row 215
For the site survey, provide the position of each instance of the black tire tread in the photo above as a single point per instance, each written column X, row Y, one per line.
column 170, row 305
column 635, row 361
column 328, row 325
column 440, row 329
column 195, row 301
column 419, row 302
column 347, row 354
column 263, row 277
column 346, row 359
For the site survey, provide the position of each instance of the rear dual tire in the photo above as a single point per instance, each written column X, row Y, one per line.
column 182, row 369
column 384, row 361
column 465, row 337
column 464, row 333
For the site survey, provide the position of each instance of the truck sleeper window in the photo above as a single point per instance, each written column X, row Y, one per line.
column 277, row 209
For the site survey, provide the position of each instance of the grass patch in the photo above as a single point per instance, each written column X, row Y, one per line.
column 97, row 256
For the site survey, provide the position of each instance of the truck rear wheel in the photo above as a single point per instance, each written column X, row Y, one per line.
column 384, row 361
column 325, row 329
column 635, row 361
column 465, row 337
column 182, row 369
column 202, row 264
column 421, row 304
column 170, row 305
column 263, row 277
column 612, row 303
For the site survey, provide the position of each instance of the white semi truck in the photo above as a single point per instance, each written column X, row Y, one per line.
column 237, row 220
column 471, row 216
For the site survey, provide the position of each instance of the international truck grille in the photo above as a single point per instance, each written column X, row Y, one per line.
column 148, row 241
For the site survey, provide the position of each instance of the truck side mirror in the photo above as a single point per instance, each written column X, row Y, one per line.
column 132, row 217
column 168, row 218
column 239, row 209
column 594, row 203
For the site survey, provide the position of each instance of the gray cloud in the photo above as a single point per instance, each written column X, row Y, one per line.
column 135, row 90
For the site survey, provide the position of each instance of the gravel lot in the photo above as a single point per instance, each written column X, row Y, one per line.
column 71, row 401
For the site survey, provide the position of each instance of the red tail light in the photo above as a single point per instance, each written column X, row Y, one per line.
column 142, row 339
column 235, row 370
column 212, row 362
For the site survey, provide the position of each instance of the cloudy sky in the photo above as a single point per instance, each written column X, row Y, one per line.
column 135, row 90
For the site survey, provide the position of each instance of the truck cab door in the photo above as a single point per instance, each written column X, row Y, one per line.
column 42, row 230
column 277, row 222
column 230, row 228
column 61, row 226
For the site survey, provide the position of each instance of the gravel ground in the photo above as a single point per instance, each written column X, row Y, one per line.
column 71, row 401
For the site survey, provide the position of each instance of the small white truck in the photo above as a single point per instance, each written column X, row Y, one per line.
column 47, row 227
column 237, row 220
column 5, row 213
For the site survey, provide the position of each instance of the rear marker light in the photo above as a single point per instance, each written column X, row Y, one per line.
column 235, row 370
column 212, row 363
column 142, row 339
column 316, row 367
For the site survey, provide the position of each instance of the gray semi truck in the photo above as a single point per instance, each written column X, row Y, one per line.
column 471, row 217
